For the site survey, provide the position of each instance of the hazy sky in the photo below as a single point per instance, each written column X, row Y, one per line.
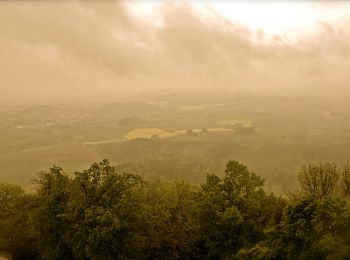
column 69, row 48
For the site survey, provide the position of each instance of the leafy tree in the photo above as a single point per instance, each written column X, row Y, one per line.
column 102, row 214
column 346, row 180
column 9, row 196
column 16, row 236
column 312, row 229
column 105, row 214
column 233, row 212
column 53, row 191
column 319, row 180
column 240, row 183
column 170, row 220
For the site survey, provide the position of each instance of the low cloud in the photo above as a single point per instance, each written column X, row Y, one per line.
column 66, row 48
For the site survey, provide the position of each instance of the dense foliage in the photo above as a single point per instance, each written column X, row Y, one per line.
column 100, row 213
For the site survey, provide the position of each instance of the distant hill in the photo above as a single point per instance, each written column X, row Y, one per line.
column 37, row 115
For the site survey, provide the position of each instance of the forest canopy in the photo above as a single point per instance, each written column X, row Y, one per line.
column 100, row 213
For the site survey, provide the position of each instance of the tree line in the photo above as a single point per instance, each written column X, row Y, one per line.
column 100, row 213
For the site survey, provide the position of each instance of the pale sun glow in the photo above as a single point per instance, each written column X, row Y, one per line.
column 290, row 19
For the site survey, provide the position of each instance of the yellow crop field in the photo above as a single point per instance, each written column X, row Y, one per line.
column 148, row 133
column 161, row 133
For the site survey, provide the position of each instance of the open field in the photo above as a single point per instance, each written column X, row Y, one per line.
column 20, row 166
column 289, row 133
column 148, row 133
